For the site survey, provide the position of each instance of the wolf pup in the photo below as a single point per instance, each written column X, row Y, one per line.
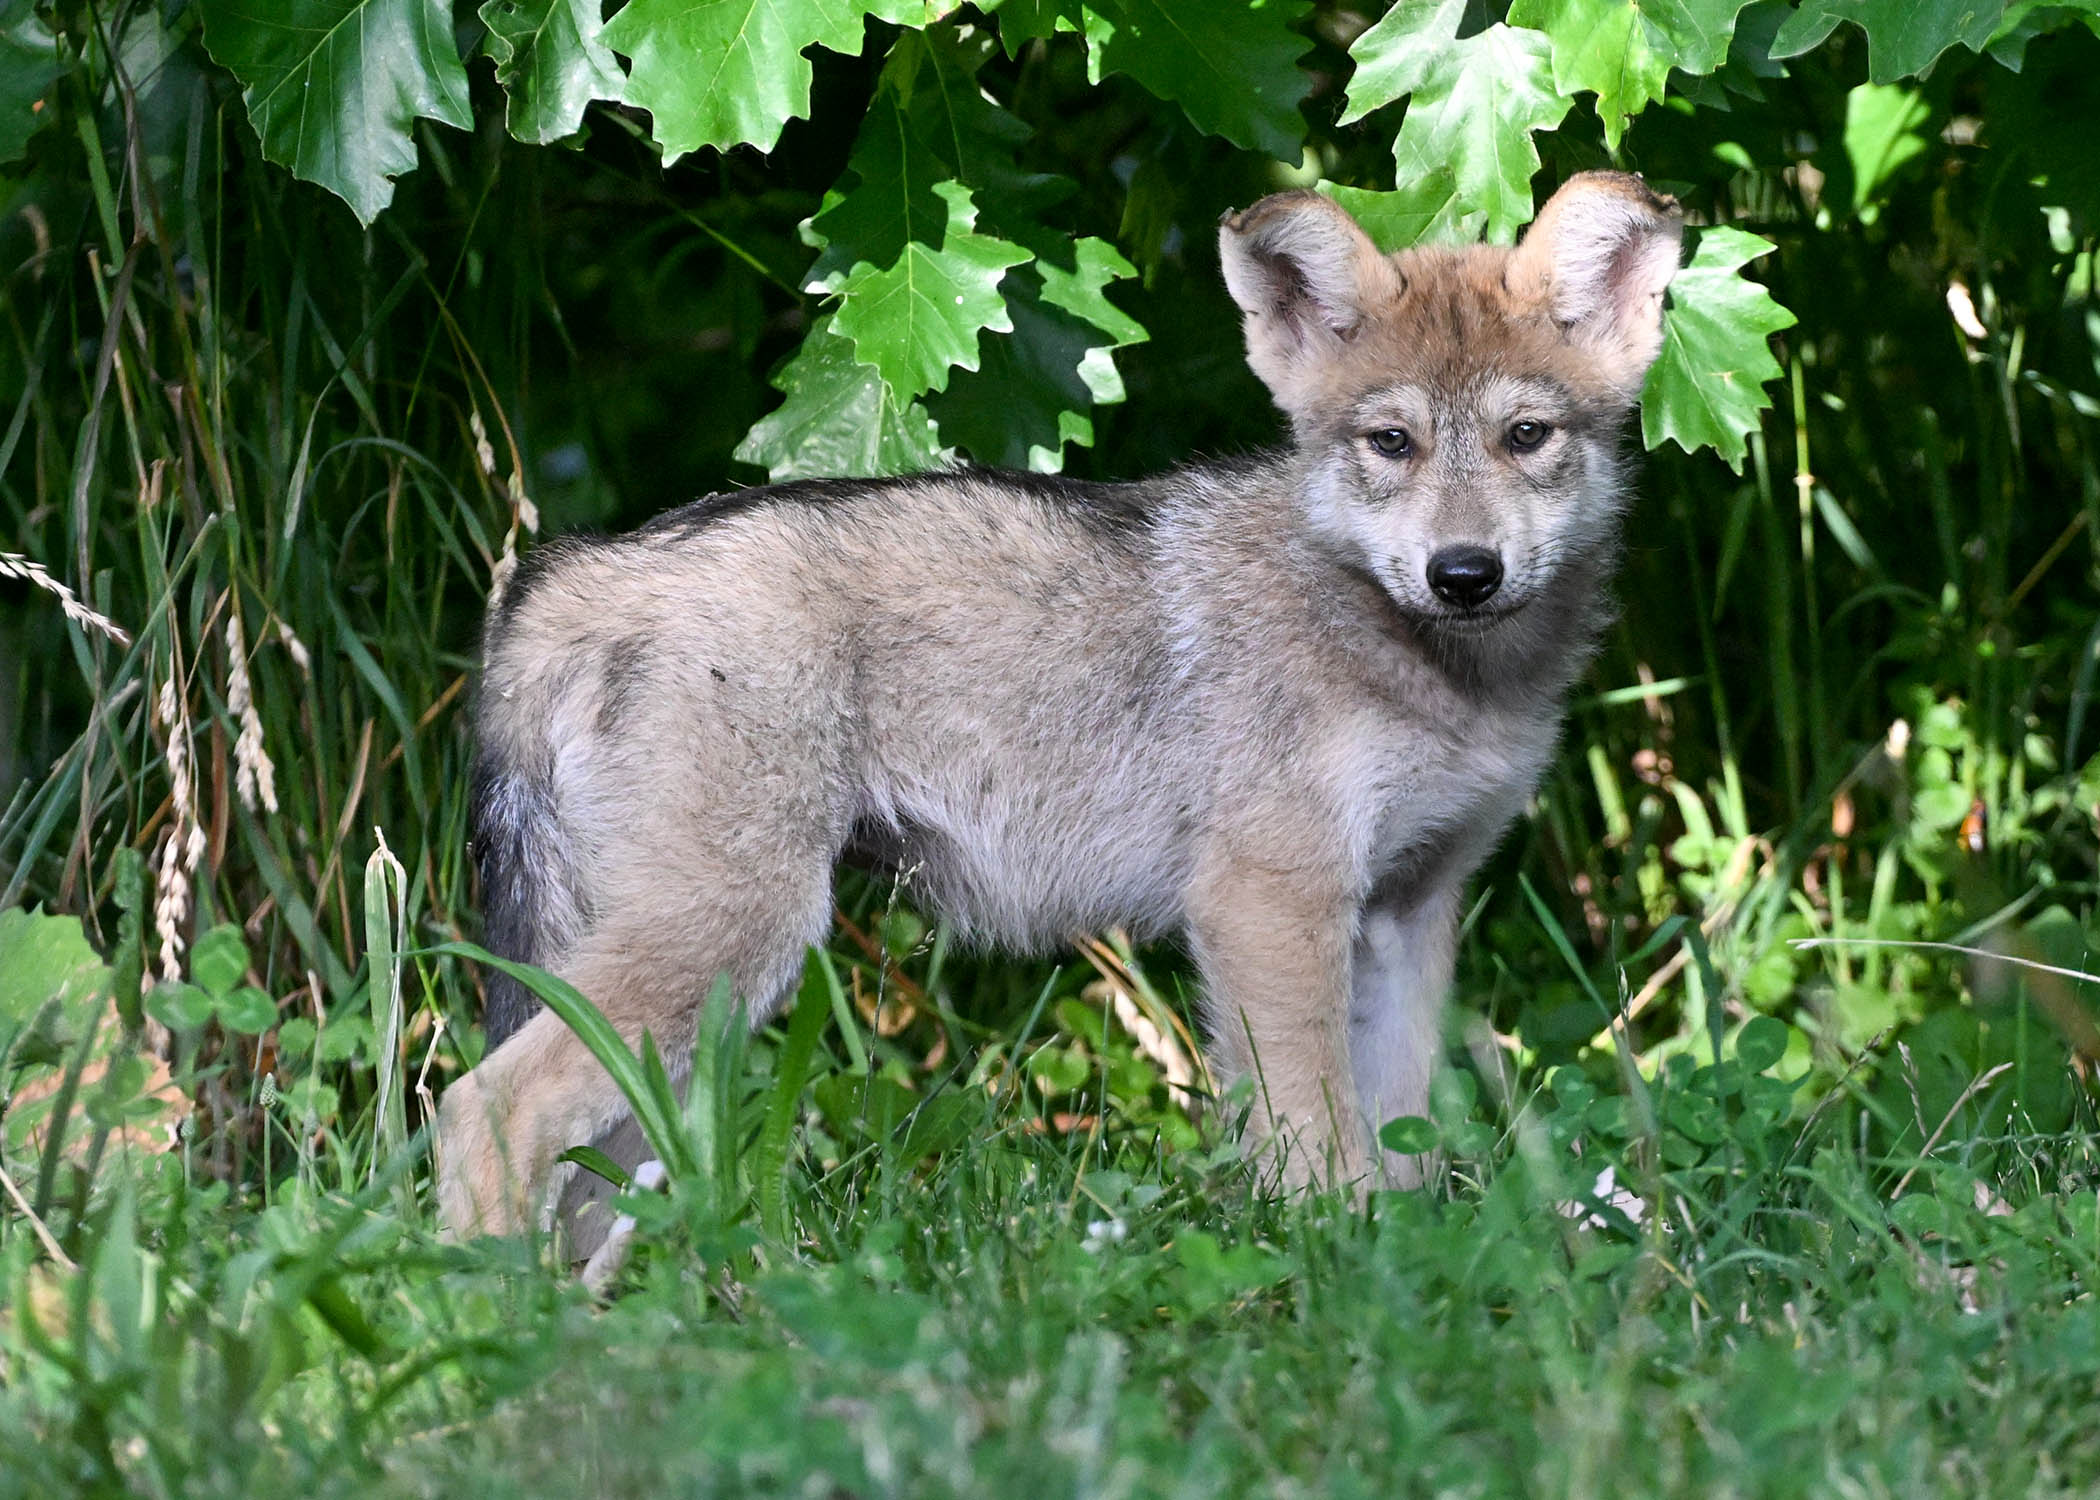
column 1283, row 705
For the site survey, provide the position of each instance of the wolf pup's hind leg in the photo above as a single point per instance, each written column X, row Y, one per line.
column 648, row 968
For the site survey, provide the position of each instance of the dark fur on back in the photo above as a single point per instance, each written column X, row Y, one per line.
column 1108, row 509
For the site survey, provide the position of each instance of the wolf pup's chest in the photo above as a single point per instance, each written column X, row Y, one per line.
column 1434, row 798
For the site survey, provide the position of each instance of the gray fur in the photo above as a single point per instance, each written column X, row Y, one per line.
column 1226, row 701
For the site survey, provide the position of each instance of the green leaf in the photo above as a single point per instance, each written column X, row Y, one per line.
column 51, row 982
column 1211, row 1277
column 219, row 959
column 596, row 1162
column 723, row 73
column 1231, row 66
column 1920, row 1214
column 1035, row 387
column 29, row 64
column 1761, row 1043
column 1623, row 50
column 1426, row 208
column 2024, row 20
column 839, row 418
column 247, row 1010
column 1903, row 36
column 1025, row 21
column 929, row 123
column 552, row 61
column 43, row 957
column 919, row 318
column 179, row 1006
column 333, row 86
column 1059, row 1070
column 895, row 169
column 1473, row 104
column 880, row 1109
column 2033, row 112
column 1409, row 1134
column 1707, row 386
column 1881, row 134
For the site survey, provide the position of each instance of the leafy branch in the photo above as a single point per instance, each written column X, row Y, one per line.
column 960, row 313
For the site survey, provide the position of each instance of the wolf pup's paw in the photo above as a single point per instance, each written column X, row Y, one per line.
column 476, row 1190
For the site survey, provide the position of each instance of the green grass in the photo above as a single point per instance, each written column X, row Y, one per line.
column 1748, row 1314
column 951, row 1230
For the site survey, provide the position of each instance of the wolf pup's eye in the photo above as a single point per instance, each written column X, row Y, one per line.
column 1393, row 442
column 1527, row 434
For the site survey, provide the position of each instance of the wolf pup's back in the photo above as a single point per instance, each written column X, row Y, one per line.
column 1283, row 705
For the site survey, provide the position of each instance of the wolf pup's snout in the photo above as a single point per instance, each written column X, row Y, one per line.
column 1465, row 576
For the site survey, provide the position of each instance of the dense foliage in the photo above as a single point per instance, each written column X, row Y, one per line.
column 317, row 311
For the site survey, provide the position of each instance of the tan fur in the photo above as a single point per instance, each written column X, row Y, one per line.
column 1237, row 702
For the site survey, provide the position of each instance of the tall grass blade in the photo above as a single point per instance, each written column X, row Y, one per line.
column 790, row 1073
column 385, row 926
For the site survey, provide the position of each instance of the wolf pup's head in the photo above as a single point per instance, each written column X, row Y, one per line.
column 1458, row 409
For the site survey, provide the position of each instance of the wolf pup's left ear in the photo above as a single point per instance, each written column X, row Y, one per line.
column 1604, row 248
column 1306, row 278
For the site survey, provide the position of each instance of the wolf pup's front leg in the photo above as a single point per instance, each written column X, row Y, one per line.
column 1273, row 945
column 1400, row 972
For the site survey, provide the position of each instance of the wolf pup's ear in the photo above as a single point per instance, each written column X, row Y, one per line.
column 1306, row 279
column 1604, row 248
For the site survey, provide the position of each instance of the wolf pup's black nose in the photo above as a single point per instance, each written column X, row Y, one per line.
column 1465, row 576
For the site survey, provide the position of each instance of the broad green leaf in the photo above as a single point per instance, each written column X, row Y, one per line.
column 218, row 959
column 930, row 124
column 1036, row 386
column 1232, row 65
column 248, row 1011
column 1623, row 50
column 1882, row 132
column 179, row 1006
column 1903, row 36
column 1707, row 387
column 43, row 956
column 1423, row 210
column 1410, row 1134
column 1211, row 1277
column 839, row 418
column 1025, row 21
column 731, row 72
column 1761, row 1043
column 2024, row 20
column 28, row 66
column 552, row 62
column 598, row 1164
column 895, row 169
column 1473, row 104
column 919, row 318
column 333, row 86
column 1081, row 289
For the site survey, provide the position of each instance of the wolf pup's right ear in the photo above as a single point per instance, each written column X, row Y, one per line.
column 1603, row 250
column 1306, row 278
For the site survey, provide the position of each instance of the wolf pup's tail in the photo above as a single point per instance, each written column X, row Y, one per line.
column 527, row 891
